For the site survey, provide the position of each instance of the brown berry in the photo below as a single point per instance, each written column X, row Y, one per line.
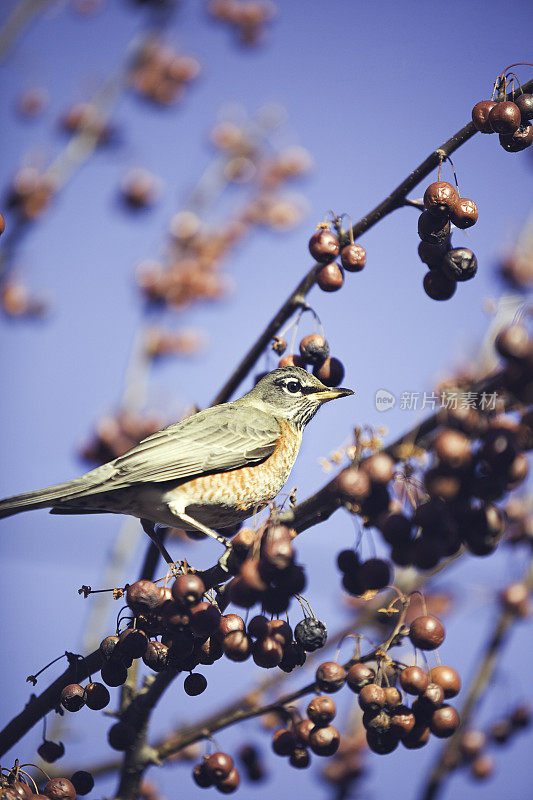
column 219, row 765
column 440, row 198
column 321, row 711
column 480, row 115
column 482, row 767
column 267, row 652
column 291, row 361
column 402, row 721
column 372, row 697
column 2, row 224
column 353, row 257
column 324, row 741
column 72, row 697
column 427, row 632
column 330, row 277
column 229, row 784
column 525, row 104
column 504, row 117
column 194, row 684
column 330, row 676
column 519, row 140
column 393, row 697
column 513, row 343
column 352, row 484
column 300, row 758
column 331, row 372
column 284, row 742
column 464, row 214
column 358, row 676
column 453, row 448
column 515, row 599
column 143, row 596
column 96, row 696
column 314, row 349
column 237, row 646
column 188, row 589
column 205, row 618
column 379, row 468
column 444, row 721
column 228, row 623
column 437, row 286
column 414, row 680
column 60, row 789
column 156, row 656
column 472, row 743
column 324, row 246
column 447, row 678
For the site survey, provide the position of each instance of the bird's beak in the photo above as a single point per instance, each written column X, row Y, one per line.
column 323, row 395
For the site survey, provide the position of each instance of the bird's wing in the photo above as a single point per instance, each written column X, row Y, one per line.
column 217, row 439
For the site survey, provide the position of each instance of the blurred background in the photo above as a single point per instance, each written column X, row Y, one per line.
column 130, row 127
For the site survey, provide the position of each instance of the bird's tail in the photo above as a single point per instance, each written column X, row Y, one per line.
column 46, row 498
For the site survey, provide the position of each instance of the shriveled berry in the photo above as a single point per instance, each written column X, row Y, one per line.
column 444, row 721
column 440, row 198
column 311, row 633
column 459, row 264
column 414, row 680
column 353, row 257
column 330, row 676
column 143, row 595
column 330, row 277
column 82, row 781
column 72, row 697
column 188, row 589
column 194, row 684
column 434, row 230
column 96, row 696
column 480, row 115
column 156, row 656
column 402, row 721
column 324, row 246
column 60, row 789
column 438, row 286
column 372, row 697
column 464, row 214
column 108, row 645
column 447, row 678
column 314, row 349
column 427, row 632
column 525, row 104
column 321, row 711
column 359, row 675
column 324, row 741
column 300, row 758
column 504, row 117
column 519, row 140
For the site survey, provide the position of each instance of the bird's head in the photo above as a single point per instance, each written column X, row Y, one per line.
column 293, row 394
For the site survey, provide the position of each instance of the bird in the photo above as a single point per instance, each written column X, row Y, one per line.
column 210, row 470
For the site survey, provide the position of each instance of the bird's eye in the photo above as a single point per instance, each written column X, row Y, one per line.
column 293, row 386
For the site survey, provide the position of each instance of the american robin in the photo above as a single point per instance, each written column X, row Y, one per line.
column 211, row 470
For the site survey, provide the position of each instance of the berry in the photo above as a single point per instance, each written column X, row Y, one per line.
column 96, row 696
column 283, row 742
column 281, row 631
column 291, row 361
column 331, row 372
column 237, row 646
column 430, row 699
column 330, row 676
column 434, row 230
column 480, row 115
column 324, row 246
column 51, row 751
column 82, row 781
column 347, row 561
column 359, row 675
column 447, row 678
column 60, row 789
column 324, row 741
column 372, row 697
column 311, row 634
column 513, row 343
column 453, row 448
column 133, row 642
column 459, row 264
column 205, row 618
column 525, row 104
column 515, row 599
column 519, row 140
column 444, row 721
column 465, row 213
column 414, row 680
column 393, row 697
column 156, row 656
column 72, row 697
column 121, row 736
column 482, row 767
column 143, row 596
column 438, row 286
column 352, row 485
column 114, row 673
column 201, row 776
column 504, row 117
column 228, row 623
column 381, row 743
column 417, row 737
column 188, row 589
column 314, row 349
column 427, row 632
column 321, row 711
column 108, row 645
column 375, row 573
column 430, row 254
column 194, row 684
column 402, row 721
column 353, row 257
column 229, row 784
column 219, row 765
column 440, row 198
column 267, row 652
column 379, row 468
column 2, row 224
column 300, row 758
column 472, row 743
column 330, row 277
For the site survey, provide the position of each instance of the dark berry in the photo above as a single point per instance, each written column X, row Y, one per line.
column 444, row 721
column 314, row 349
column 121, row 736
column 133, row 642
column 433, row 230
column 427, row 632
column 459, row 264
column 230, row 783
column 201, row 776
column 347, row 560
column 359, row 675
column 324, row 741
column 156, row 656
column 311, row 634
column 108, row 645
column 330, row 277
column 519, row 140
column 331, row 372
column 321, row 711
column 143, row 595
column 267, row 652
column 447, row 678
column 300, row 758
column 324, row 246
column 96, row 696
column 205, row 618
column 381, row 743
column 72, row 697
column 194, row 684
column 188, row 589
column 504, row 117
column 51, row 751
column 82, row 781
column 219, row 765
column 60, row 789
column 375, row 573
column 284, row 741
column 114, row 673
column 438, row 286
column 291, row 361
column 237, row 646
column 330, row 676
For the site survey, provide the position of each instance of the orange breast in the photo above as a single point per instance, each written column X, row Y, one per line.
column 246, row 487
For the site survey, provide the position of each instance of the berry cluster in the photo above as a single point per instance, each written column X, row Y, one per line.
column 217, row 770
column 324, row 246
column 95, row 696
column 447, row 265
column 87, row 118
column 509, row 119
column 16, row 786
column 161, row 75
column 247, row 17
column 314, row 351
column 314, row 733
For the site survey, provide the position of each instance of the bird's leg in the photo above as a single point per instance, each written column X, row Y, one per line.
column 150, row 528
column 183, row 517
